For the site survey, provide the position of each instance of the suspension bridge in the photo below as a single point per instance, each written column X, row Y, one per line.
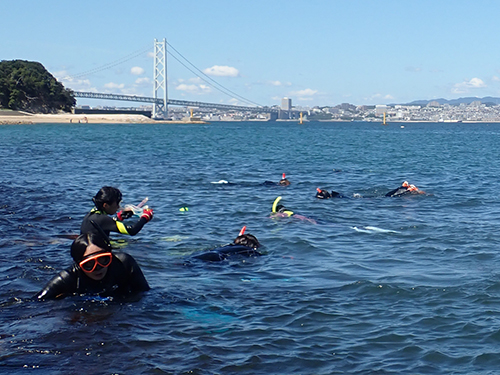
column 160, row 98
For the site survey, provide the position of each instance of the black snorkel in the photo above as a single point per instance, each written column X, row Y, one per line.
column 103, row 234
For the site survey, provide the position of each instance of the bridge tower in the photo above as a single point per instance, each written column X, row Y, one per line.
column 160, row 106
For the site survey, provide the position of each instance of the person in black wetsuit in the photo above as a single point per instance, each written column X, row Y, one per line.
column 404, row 189
column 107, row 202
column 324, row 194
column 97, row 271
column 244, row 245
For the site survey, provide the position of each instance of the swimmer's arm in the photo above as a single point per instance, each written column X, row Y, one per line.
column 132, row 229
column 58, row 287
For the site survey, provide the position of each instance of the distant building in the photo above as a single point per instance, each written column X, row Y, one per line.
column 347, row 107
column 286, row 104
column 380, row 109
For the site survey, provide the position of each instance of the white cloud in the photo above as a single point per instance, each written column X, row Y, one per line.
column 193, row 89
column 74, row 84
column 495, row 79
column 279, row 83
column 305, row 92
column 112, row 85
column 381, row 96
column 131, row 91
column 463, row 87
column 222, row 71
column 143, row 81
column 137, row 71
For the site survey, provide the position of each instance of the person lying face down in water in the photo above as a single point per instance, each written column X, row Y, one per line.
column 278, row 210
column 244, row 244
column 324, row 194
column 282, row 182
column 96, row 271
column 404, row 189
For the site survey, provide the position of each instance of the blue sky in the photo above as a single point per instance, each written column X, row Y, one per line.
column 317, row 52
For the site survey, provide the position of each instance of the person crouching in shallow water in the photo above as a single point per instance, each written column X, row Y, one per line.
column 404, row 189
column 324, row 194
column 107, row 202
column 243, row 245
column 97, row 271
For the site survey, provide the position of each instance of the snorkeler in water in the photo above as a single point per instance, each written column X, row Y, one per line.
column 324, row 194
column 404, row 189
column 283, row 182
column 243, row 245
column 96, row 270
column 278, row 210
column 107, row 202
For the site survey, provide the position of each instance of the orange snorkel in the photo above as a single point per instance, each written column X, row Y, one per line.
column 318, row 190
column 283, row 176
column 242, row 231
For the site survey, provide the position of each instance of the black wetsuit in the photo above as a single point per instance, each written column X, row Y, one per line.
column 223, row 253
column 398, row 192
column 109, row 224
column 325, row 194
column 123, row 277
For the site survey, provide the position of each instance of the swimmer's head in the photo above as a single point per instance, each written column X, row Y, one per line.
column 322, row 194
column 248, row 240
column 284, row 181
column 80, row 244
column 405, row 184
column 107, row 194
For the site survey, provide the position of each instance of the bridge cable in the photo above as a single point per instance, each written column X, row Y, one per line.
column 211, row 79
column 111, row 64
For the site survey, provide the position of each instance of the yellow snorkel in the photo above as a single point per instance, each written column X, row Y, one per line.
column 275, row 205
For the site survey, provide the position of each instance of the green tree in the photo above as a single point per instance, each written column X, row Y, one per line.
column 28, row 86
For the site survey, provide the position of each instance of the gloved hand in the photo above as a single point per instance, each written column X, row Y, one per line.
column 124, row 215
column 147, row 214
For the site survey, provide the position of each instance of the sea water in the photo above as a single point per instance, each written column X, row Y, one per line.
column 403, row 285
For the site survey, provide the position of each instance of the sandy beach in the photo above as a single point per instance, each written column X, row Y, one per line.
column 17, row 117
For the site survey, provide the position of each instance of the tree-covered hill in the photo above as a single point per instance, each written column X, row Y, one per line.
column 28, row 86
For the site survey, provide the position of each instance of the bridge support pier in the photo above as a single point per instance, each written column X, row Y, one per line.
column 160, row 105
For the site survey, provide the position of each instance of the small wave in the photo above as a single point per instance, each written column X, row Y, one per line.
column 175, row 238
column 370, row 229
column 220, row 182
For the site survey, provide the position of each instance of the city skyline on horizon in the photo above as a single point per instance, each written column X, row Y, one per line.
column 319, row 53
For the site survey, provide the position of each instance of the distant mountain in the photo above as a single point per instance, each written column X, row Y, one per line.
column 485, row 100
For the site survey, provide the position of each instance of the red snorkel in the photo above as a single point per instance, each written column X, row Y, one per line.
column 242, row 231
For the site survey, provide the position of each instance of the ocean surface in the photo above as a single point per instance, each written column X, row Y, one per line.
column 374, row 285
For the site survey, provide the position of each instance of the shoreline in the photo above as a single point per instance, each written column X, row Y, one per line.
column 24, row 118
column 20, row 118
